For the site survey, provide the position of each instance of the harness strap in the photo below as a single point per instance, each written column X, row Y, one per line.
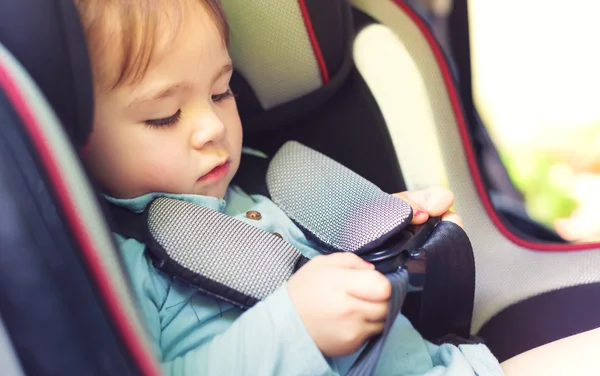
column 127, row 223
column 228, row 259
column 448, row 295
column 449, row 292
column 367, row 363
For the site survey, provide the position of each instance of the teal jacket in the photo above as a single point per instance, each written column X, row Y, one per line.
column 194, row 334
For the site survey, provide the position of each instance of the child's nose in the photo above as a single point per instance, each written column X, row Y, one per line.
column 208, row 128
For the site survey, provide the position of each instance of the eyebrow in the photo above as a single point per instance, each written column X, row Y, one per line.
column 223, row 71
column 165, row 93
column 171, row 90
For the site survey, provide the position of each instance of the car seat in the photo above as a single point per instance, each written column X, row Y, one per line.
column 303, row 75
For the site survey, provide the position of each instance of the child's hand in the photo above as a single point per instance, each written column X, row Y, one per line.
column 342, row 301
column 434, row 201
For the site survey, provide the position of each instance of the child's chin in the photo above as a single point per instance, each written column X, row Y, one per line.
column 216, row 191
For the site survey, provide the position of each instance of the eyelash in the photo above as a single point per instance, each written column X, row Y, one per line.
column 225, row 95
column 173, row 119
column 164, row 122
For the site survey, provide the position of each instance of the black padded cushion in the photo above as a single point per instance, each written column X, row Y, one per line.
column 542, row 319
column 47, row 39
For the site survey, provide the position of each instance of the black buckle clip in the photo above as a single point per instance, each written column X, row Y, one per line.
column 407, row 245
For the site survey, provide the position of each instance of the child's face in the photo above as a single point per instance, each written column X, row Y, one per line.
column 178, row 129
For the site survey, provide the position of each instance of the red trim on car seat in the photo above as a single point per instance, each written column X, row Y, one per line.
column 460, row 120
column 85, row 148
column 145, row 362
column 314, row 42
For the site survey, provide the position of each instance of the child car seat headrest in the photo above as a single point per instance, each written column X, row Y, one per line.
column 290, row 56
column 47, row 39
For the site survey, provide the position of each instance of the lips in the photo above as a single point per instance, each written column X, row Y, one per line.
column 216, row 173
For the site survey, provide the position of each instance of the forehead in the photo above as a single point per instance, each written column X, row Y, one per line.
column 194, row 62
column 134, row 42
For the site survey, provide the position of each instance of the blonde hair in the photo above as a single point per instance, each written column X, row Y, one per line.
column 135, row 27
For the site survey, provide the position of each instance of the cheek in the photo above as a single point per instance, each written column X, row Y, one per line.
column 152, row 165
column 103, row 151
column 234, row 127
column 128, row 162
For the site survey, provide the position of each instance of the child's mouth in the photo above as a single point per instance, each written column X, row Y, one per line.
column 216, row 173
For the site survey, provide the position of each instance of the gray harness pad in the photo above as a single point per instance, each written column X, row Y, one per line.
column 338, row 208
column 221, row 248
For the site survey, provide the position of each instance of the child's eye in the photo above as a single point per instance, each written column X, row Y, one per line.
column 164, row 122
column 225, row 95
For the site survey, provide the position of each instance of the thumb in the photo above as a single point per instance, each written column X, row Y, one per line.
column 453, row 217
column 420, row 215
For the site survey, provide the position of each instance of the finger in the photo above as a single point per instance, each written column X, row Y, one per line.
column 374, row 312
column 367, row 329
column 344, row 260
column 453, row 217
column 434, row 200
column 419, row 213
column 374, row 328
column 417, row 195
column 437, row 201
column 367, row 285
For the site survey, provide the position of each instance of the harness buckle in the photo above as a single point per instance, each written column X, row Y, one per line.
column 402, row 248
